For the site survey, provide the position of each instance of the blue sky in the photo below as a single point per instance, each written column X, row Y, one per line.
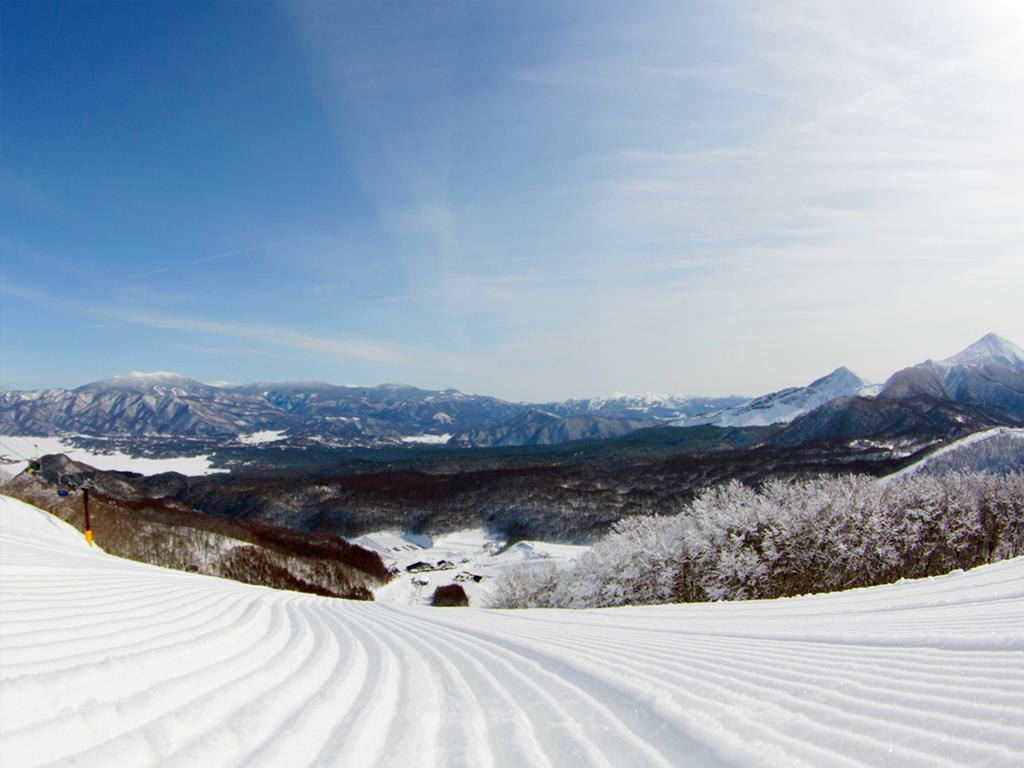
column 532, row 199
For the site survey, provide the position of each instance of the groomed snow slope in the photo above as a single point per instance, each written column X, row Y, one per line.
column 107, row 662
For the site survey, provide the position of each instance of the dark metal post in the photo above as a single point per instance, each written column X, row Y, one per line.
column 88, row 518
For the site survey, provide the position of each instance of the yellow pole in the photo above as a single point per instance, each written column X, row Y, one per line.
column 88, row 536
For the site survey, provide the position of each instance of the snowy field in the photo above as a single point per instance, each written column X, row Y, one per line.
column 105, row 662
column 476, row 560
column 262, row 437
column 13, row 451
column 428, row 439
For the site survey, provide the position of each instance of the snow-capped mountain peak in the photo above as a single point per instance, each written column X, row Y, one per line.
column 989, row 374
column 138, row 381
column 786, row 404
column 990, row 348
column 840, row 378
column 148, row 377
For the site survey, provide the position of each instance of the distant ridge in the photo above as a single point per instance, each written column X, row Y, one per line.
column 982, row 384
column 164, row 404
column 785, row 405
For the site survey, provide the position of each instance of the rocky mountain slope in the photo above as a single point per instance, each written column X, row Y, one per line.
column 140, row 404
column 543, row 428
column 859, row 418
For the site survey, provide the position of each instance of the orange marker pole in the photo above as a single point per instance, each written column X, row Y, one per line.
column 88, row 519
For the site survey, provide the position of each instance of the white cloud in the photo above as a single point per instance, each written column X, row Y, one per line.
column 864, row 210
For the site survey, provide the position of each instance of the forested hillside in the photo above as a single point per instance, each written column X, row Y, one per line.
column 789, row 538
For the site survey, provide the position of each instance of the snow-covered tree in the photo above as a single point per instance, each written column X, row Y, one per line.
column 787, row 538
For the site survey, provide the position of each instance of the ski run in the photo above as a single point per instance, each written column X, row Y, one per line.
column 107, row 662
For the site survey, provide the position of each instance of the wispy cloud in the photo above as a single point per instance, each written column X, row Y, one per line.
column 344, row 349
column 384, row 74
column 276, row 335
column 176, row 266
column 889, row 127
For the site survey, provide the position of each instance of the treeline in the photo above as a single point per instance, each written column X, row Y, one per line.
column 788, row 538
column 571, row 502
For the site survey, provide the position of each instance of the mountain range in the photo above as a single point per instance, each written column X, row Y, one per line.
column 168, row 404
column 983, row 384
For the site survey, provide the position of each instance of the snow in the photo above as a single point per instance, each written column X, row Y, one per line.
column 150, row 376
column 109, row 662
column 786, row 405
column 641, row 400
column 10, row 469
column 428, row 439
column 989, row 348
column 142, row 381
column 472, row 551
column 976, row 437
column 869, row 390
column 261, row 437
column 13, row 448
